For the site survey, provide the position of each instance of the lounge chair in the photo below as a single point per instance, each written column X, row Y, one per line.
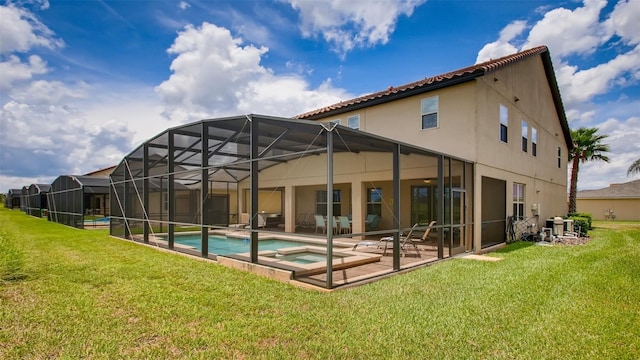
column 404, row 240
column 425, row 236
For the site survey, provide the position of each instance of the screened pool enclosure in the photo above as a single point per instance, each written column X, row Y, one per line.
column 14, row 199
column 76, row 200
column 35, row 199
column 306, row 197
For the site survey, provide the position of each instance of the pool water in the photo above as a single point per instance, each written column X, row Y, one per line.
column 221, row 245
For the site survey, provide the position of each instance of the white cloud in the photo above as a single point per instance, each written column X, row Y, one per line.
column 582, row 85
column 183, row 5
column 568, row 32
column 350, row 24
column 14, row 70
column 41, row 92
column 622, row 138
column 624, row 21
column 20, row 30
column 58, row 138
column 582, row 33
column 214, row 74
column 502, row 46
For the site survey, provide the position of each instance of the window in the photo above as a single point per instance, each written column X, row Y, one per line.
column 518, row 201
column 429, row 112
column 525, row 133
column 504, row 123
column 534, row 141
column 374, row 201
column 559, row 157
column 321, row 202
column 354, row 122
column 337, row 122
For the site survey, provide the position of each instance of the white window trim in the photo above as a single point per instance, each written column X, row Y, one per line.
column 525, row 136
column 353, row 117
column 534, row 141
column 437, row 112
column 517, row 201
column 504, row 121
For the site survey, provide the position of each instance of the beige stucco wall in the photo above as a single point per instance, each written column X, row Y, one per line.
column 469, row 123
column 353, row 174
column 623, row 209
column 535, row 105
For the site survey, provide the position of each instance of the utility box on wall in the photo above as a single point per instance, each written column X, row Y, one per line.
column 535, row 209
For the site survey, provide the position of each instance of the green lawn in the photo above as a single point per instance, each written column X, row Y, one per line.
column 70, row 293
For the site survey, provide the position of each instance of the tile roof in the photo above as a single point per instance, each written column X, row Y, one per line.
column 474, row 71
column 109, row 169
column 449, row 79
column 629, row 189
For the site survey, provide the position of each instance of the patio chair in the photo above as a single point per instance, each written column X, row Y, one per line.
column 425, row 236
column 344, row 224
column 320, row 224
column 404, row 240
column 372, row 222
column 334, row 224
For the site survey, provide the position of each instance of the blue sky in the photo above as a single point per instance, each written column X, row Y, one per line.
column 84, row 82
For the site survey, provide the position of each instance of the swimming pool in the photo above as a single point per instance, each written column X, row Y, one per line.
column 301, row 257
column 222, row 245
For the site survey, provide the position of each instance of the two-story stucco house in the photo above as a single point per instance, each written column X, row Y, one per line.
column 430, row 170
column 505, row 115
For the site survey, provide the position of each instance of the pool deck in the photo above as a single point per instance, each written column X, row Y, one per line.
column 369, row 263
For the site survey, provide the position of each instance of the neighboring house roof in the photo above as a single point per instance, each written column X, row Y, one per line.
column 108, row 171
column 449, row 79
column 628, row 190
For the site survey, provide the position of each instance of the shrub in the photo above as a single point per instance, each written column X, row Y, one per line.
column 588, row 216
column 581, row 223
column 11, row 259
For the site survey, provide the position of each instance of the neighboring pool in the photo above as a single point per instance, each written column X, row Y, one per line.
column 221, row 245
column 97, row 222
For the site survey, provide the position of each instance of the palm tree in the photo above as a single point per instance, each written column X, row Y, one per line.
column 634, row 168
column 587, row 146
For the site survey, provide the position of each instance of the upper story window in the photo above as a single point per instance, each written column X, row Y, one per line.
column 559, row 157
column 354, row 121
column 504, row 123
column 534, row 141
column 336, row 121
column 429, row 112
column 525, row 136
